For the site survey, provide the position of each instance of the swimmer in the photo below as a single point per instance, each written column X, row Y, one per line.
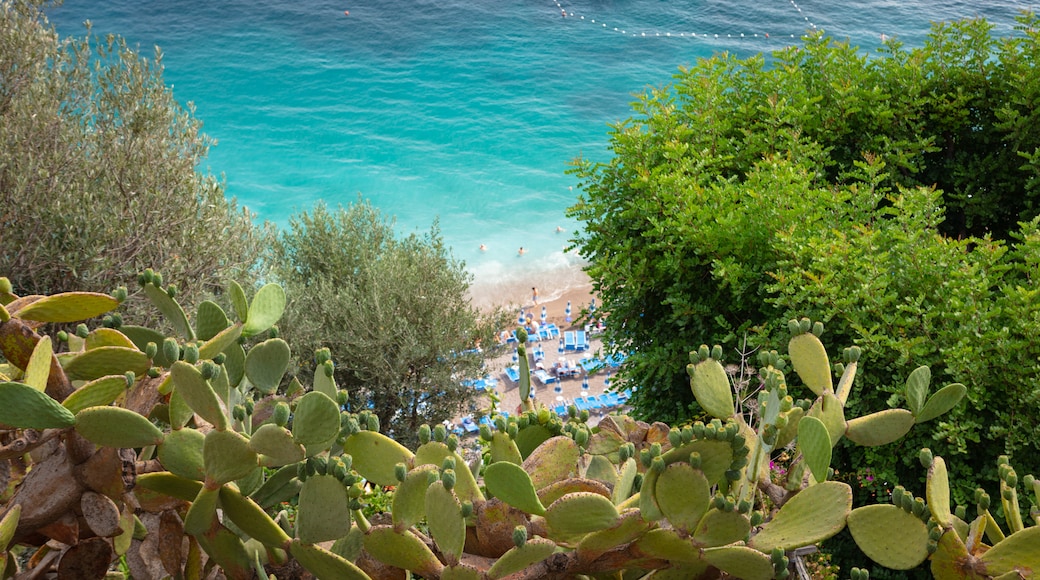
column 522, row 251
column 559, row 229
column 346, row 13
column 483, row 248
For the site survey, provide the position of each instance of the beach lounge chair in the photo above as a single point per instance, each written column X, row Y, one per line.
column 581, row 341
column 624, row 396
column 513, row 372
column 594, row 403
column 612, row 399
column 561, row 410
column 544, row 377
column 553, row 330
column 570, row 341
column 580, row 403
column 469, row 425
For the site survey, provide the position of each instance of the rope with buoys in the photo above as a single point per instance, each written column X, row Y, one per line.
column 682, row 34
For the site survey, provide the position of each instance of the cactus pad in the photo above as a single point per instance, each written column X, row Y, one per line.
column 324, row 564
column 889, row 535
column 265, row 310
column 202, row 511
column 375, row 455
column 938, row 492
column 227, row 456
column 811, row 363
column 107, row 360
column 555, row 491
column 942, row 401
column 710, row 385
column 217, row 343
column 444, row 517
column 324, row 510
column 503, row 448
column 880, row 428
column 39, row 366
column 68, row 307
column 510, row 483
column 830, row 410
column 210, row 320
column 917, row 388
column 25, row 407
column 198, row 394
column 683, row 494
column 171, row 310
column 815, row 445
column 813, row 515
column 666, row 544
column 629, row 527
column 402, row 550
column 251, row 518
column 409, row 501
column 116, row 427
column 625, row 481
column 169, row 484
column 181, row 453
column 718, row 528
column 553, row 460
column 517, row 559
column 1019, row 552
column 276, row 445
column 740, row 562
column 97, row 393
column 266, row 363
column 317, row 420
column 580, row 513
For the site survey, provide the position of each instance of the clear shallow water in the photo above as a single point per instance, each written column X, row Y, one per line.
column 466, row 112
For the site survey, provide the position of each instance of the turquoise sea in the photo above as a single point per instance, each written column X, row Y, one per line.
column 464, row 111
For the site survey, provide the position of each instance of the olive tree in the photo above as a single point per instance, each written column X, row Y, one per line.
column 393, row 312
column 98, row 169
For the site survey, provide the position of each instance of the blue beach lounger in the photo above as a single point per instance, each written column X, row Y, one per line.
column 570, row 340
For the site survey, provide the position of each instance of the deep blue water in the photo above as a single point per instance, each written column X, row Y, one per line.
column 464, row 111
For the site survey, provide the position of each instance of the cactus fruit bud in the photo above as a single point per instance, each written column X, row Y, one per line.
column 716, row 352
column 467, row 509
column 63, row 336
column 698, row 430
column 400, row 471
column 729, row 506
column 154, row 372
column 695, row 460
column 81, row 330
column 582, row 438
column 961, row 512
column 171, row 291
column 718, row 502
column 584, row 415
column 523, row 421
column 500, row 422
column 756, row 518
column 448, row 463
column 703, row 353
column 804, row 325
column 151, row 349
column 686, row 434
column 373, row 422
column 658, row 465
column 119, row 294
column 817, row 328
column 171, row 351
column 793, row 327
column 191, row 353
column 439, row 433
column 512, row 430
column 130, row 377
column 321, row 355
column 738, row 462
column 645, row 458
column 926, row 457
column 978, row 494
column 453, row 443
column 5, row 285
column 448, row 479
column 769, row 435
column 209, row 370
column 1012, row 479
column 280, row 414
column 157, row 280
column 637, row 482
column 250, row 405
column 1007, row 493
column 485, row 432
column 238, row 413
column 675, row 437
column 781, row 421
column 983, row 503
column 424, row 434
column 519, row 536
column 301, row 472
column 919, row 508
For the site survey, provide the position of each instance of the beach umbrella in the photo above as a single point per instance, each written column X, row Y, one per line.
column 520, row 319
column 516, row 357
column 585, row 383
column 592, row 305
column 607, row 381
column 559, row 389
column 567, row 311
column 545, row 315
column 560, row 349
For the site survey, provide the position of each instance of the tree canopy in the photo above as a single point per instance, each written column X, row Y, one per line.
column 881, row 194
column 98, row 169
column 393, row 312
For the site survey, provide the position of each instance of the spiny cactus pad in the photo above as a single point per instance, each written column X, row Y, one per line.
column 227, row 456
column 580, row 513
column 171, row 310
column 444, row 517
column 517, row 559
column 510, row 483
column 718, row 528
column 942, row 401
column 375, row 455
column 830, row 410
column 809, row 358
column 198, row 394
column 39, row 367
column 25, row 407
column 740, row 562
column 403, row 550
column 1019, row 552
column 629, row 527
column 683, row 494
column 324, row 510
column 251, row 518
column 409, row 502
column 324, row 564
column 880, row 428
column 265, row 310
column 938, row 492
column 917, row 388
column 553, row 460
column 815, row 445
column 276, row 445
column 889, row 535
column 813, row 515
column 68, row 307
column 107, row 360
column 117, row 427
column 219, row 342
column 266, row 363
column 710, row 385
column 97, row 393
column 181, row 453
column 317, row 420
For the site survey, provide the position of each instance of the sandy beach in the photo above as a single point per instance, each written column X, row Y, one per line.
column 578, row 293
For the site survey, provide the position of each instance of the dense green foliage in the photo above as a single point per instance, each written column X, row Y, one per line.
column 98, row 172
column 745, row 194
column 394, row 313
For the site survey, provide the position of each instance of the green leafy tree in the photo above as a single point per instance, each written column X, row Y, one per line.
column 98, row 169
column 846, row 189
column 394, row 312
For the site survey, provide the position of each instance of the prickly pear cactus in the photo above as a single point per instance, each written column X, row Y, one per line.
column 128, row 443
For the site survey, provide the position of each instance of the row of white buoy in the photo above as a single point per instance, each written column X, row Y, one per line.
column 669, row 34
